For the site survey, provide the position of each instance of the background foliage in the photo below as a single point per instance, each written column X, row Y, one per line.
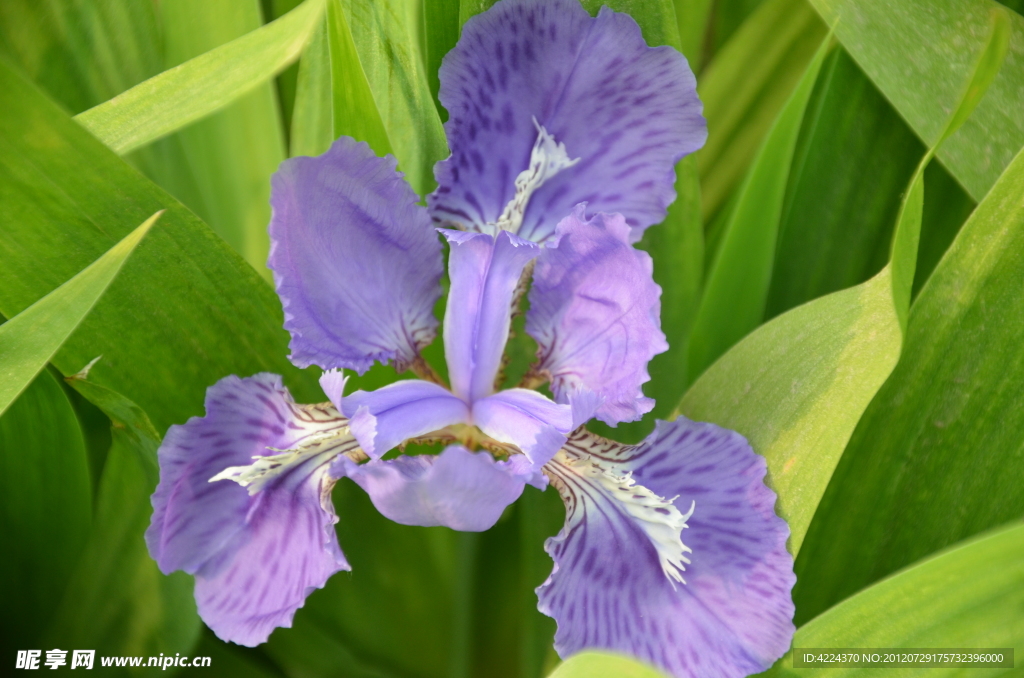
column 882, row 382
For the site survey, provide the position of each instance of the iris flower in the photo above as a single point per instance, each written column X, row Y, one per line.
column 564, row 131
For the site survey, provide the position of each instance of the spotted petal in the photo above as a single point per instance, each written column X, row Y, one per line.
column 355, row 259
column 627, row 111
column 594, row 311
column 458, row 489
column 257, row 551
column 618, row 582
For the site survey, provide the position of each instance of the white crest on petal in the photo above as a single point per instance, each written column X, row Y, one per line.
column 657, row 516
column 547, row 159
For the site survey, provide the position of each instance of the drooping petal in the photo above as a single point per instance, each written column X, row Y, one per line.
column 526, row 419
column 613, row 586
column 356, row 261
column 484, row 273
column 627, row 111
column 458, row 489
column 256, row 552
column 594, row 311
column 384, row 418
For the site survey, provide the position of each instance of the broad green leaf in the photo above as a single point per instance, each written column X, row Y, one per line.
column 736, row 289
column 186, row 310
column 390, row 58
column 45, row 508
column 728, row 18
column 596, row 664
column 181, row 95
column 232, row 152
column 117, row 601
column 313, row 117
column 31, row 338
column 441, row 31
column 920, row 54
column 968, row 596
column 746, row 85
column 692, row 21
column 937, row 456
column 797, row 387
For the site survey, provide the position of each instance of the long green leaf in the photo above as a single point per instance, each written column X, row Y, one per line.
column 313, row 117
column 117, row 601
column 969, row 596
column 232, row 152
column 920, row 54
column 441, row 32
column 937, row 456
column 186, row 93
column 692, row 21
column 30, row 339
column 45, row 509
column 737, row 285
column 596, row 664
column 185, row 312
column 744, row 88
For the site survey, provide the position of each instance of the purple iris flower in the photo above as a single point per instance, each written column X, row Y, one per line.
column 564, row 130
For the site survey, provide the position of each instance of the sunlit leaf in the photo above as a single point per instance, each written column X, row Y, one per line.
column 30, row 339
column 595, row 664
column 920, row 54
column 937, row 455
column 117, row 601
column 736, row 289
column 177, row 97
column 313, row 117
column 968, row 596
column 45, row 508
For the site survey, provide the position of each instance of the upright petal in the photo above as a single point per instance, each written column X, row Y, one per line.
column 355, row 259
column 484, row 271
column 627, row 111
column 594, row 311
column 619, row 568
column 256, row 553
column 384, row 418
column 526, row 419
column 458, row 489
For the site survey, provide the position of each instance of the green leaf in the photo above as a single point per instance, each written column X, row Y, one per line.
column 657, row 18
column 595, row 664
column 313, row 117
column 441, row 32
column 184, row 312
column 45, row 508
column 177, row 97
column 30, row 339
column 117, row 601
column 692, row 21
column 232, row 152
column 745, row 87
column 384, row 33
column 921, row 55
column 736, row 289
column 968, row 596
column 937, row 456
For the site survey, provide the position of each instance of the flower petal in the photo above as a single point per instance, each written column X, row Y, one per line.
column 356, row 261
column 457, row 489
column 609, row 589
column 255, row 556
column 485, row 272
column 627, row 111
column 526, row 419
column 594, row 311
column 384, row 418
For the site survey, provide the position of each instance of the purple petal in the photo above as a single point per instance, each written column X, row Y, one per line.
column 384, row 418
column 214, row 529
column 609, row 588
column 356, row 261
column 594, row 311
column 627, row 111
column 457, row 489
column 484, row 273
column 525, row 419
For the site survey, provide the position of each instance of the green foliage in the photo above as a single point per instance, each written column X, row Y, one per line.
column 45, row 508
column 592, row 664
column 967, row 596
column 30, row 339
